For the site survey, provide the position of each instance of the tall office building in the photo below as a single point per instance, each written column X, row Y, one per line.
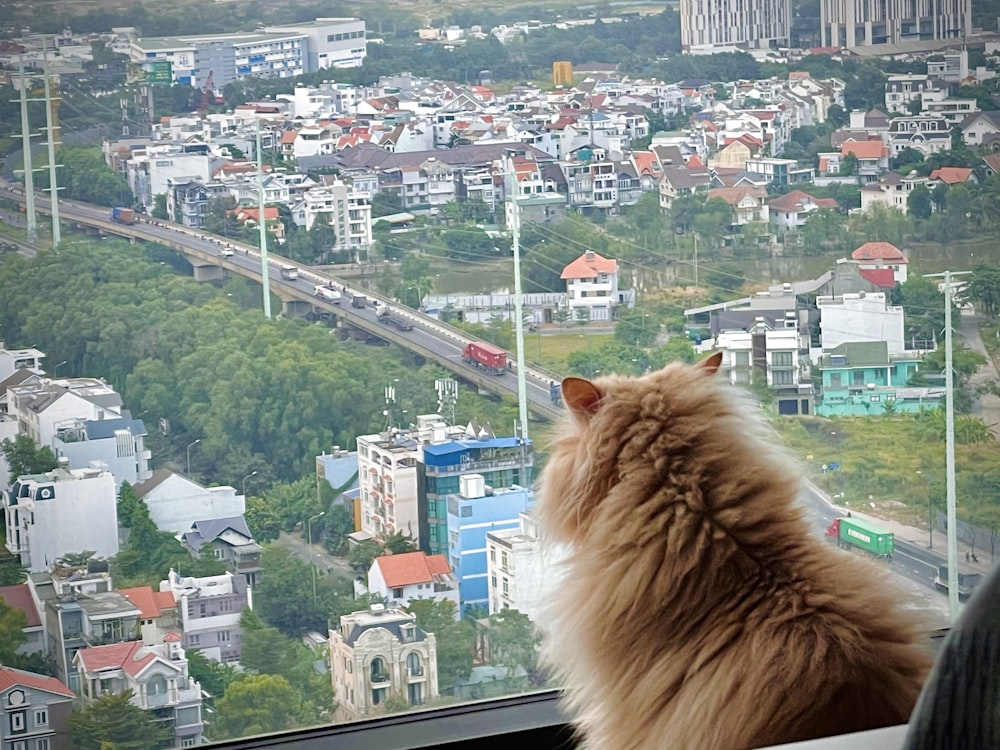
column 713, row 25
column 863, row 23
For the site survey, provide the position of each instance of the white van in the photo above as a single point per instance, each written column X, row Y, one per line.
column 289, row 272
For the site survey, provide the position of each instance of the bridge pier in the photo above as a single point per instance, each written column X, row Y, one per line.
column 208, row 273
column 295, row 308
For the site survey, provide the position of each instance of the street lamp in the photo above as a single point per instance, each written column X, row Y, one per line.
column 190, row 446
column 55, row 369
column 251, row 474
column 312, row 557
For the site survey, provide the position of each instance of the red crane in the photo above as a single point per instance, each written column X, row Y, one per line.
column 206, row 94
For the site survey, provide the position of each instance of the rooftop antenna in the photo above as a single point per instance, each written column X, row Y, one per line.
column 447, row 390
column 390, row 401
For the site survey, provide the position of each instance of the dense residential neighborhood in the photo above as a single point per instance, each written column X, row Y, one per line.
column 408, row 568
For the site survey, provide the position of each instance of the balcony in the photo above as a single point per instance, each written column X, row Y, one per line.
column 380, row 679
column 478, row 466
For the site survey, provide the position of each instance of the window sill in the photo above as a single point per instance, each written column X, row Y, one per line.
column 532, row 720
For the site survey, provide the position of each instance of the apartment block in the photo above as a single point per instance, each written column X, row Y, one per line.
column 716, row 25
column 474, row 511
column 864, row 23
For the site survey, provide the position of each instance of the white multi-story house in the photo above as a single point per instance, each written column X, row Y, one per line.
column 902, row 90
column 398, row 579
column 865, row 316
column 592, row 286
column 176, row 502
column 40, row 405
column 925, row 133
column 717, row 26
column 116, row 444
column 790, row 211
column 380, row 654
column 157, row 613
column 892, row 190
column 61, row 512
column 347, row 210
column 314, row 140
column 387, row 479
column 210, row 609
column 521, row 568
column 157, row 676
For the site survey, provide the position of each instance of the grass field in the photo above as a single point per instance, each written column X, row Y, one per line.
column 551, row 350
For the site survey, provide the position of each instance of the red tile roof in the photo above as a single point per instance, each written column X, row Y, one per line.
column 411, row 567
column 588, row 266
column 795, row 201
column 13, row 677
column 289, row 136
column 695, row 161
column 19, row 597
column 951, row 175
column 645, row 162
column 879, row 251
column 128, row 657
column 882, row 277
column 864, row 149
column 150, row 603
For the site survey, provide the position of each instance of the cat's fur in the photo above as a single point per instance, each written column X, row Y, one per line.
column 698, row 610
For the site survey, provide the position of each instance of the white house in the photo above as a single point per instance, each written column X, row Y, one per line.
column 62, row 511
column 116, row 444
column 40, row 406
column 413, row 575
column 790, row 211
column 210, row 609
column 157, row 676
column 521, row 568
column 592, row 286
column 176, row 502
column 865, row 316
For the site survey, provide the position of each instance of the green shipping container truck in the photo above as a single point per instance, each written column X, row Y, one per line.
column 853, row 532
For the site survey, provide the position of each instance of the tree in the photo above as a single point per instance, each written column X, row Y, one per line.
column 397, row 543
column 982, row 290
column 362, row 554
column 848, row 164
column 455, row 638
column 259, row 704
column 633, row 326
column 24, row 458
column 919, row 202
column 213, row 676
column 112, row 721
column 514, row 641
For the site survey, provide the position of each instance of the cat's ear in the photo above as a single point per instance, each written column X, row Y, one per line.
column 581, row 396
column 711, row 364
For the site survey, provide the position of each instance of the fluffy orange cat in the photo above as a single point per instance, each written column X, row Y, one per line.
column 699, row 610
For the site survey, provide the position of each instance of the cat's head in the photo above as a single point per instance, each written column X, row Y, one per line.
column 626, row 435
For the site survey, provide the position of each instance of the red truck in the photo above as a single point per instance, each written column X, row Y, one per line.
column 122, row 215
column 491, row 358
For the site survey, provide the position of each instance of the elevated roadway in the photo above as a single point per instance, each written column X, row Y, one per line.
column 210, row 258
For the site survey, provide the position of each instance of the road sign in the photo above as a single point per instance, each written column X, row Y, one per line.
column 160, row 71
column 832, row 466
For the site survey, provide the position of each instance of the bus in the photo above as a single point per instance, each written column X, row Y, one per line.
column 289, row 272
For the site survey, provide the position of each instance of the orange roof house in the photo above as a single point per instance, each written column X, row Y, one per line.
column 590, row 265
column 884, row 251
column 951, row 175
column 413, row 575
column 865, row 149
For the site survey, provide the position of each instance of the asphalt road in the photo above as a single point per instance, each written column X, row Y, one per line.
column 324, row 561
column 914, row 564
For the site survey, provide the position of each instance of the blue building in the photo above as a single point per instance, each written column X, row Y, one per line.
column 501, row 461
column 475, row 510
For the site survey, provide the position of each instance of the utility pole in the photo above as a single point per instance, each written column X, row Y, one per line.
column 51, row 136
column 696, row 259
column 29, row 177
column 949, row 400
column 262, row 226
